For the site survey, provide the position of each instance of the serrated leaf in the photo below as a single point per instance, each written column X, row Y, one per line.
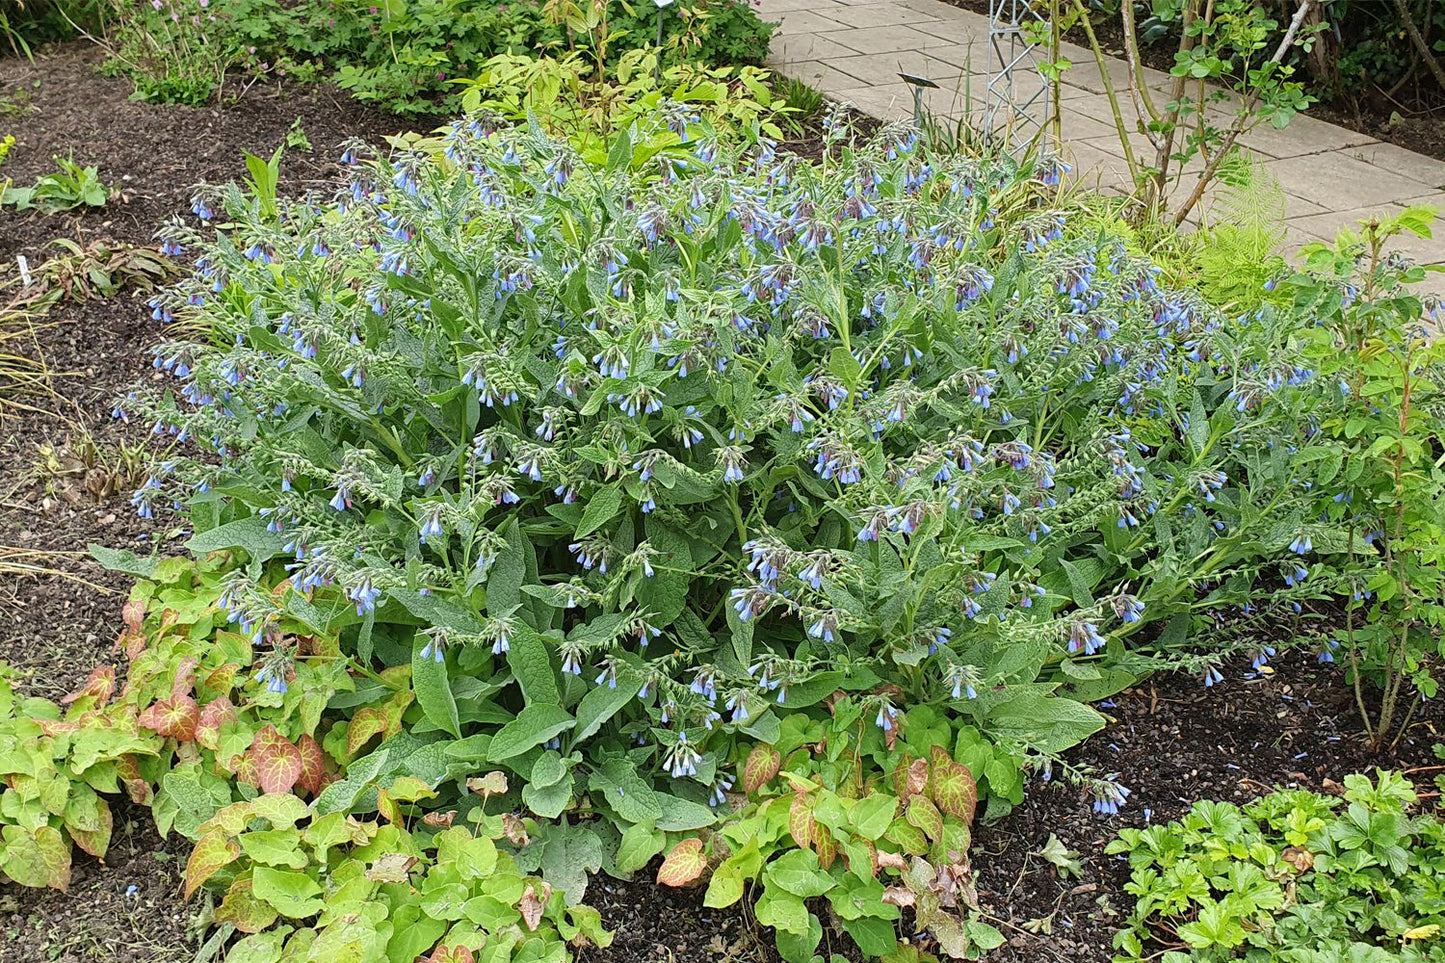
column 726, row 886
column 366, row 723
column 313, row 766
column 683, row 865
column 35, row 858
column 282, row 810
column 873, row 814
column 952, row 786
column 214, row 715
column 274, row 847
column 800, row 820
column 924, row 816
column 243, row 910
column 798, row 872
column 639, row 844
column 173, row 718
column 88, row 820
column 294, row 895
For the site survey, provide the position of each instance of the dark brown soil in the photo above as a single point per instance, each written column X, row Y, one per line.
column 1413, row 119
column 1172, row 742
column 127, row 910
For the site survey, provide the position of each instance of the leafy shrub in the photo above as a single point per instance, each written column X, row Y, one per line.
column 1232, row 72
column 1292, row 876
column 1381, row 480
column 404, row 54
column 879, row 425
column 726, row 102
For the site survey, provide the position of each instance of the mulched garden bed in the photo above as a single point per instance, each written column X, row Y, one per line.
column 1171, row 740
column 1414, row 119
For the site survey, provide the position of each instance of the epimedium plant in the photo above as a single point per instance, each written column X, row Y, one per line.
column 620, row 476
column 220, row 751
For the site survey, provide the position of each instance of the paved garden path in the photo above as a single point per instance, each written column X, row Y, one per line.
column 854, row 50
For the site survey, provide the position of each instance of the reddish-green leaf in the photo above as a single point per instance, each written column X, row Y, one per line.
column 953, row 788
column 98, row 688
column 925, row 816
column 214, row 851
column 140, row 791
column 175, row 718
column 800, row 820
column 88, row 821
column 452, row 954
column 181, row 684
column 278, row 762
column 313, row 766
column 243, row 910
column 366, row 723
column 683, row 865
column 39, row 858
column 216, row 713
column 826, row 846
column 221, row 680
column 761, row 766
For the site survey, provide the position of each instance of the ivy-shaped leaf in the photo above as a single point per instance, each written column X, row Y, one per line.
column 313, row 766
column 800, row 820
column 952, row 786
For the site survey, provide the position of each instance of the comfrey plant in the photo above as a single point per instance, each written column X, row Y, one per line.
column 626, row 463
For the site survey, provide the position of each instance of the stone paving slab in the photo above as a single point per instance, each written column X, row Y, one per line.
column 853, row 51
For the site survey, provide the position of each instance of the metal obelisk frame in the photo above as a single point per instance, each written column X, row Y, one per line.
column 1011, row 109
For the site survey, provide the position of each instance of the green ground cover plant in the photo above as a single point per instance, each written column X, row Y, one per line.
column 1293, row 876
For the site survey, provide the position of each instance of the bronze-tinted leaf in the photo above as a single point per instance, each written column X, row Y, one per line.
column 683, row 865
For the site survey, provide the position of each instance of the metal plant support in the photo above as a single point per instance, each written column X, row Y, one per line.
column 1009, row 111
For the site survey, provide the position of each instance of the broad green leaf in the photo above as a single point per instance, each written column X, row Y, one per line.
column 531, row 662
column 248, row 534
column 433, row 688
column 639, row 844
column 294, row 895
column 533, row 726
column 600, row 704
column 602, row 506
